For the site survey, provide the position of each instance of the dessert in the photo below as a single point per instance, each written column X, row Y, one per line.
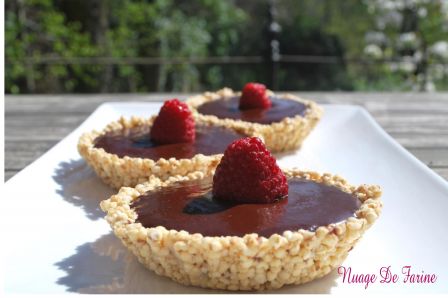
column 284, row 121
column 129, row 151
column 282, row 227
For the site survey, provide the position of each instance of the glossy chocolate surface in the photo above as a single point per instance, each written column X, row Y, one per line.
column 228, row 108
column 189, row 206
column 137, row 143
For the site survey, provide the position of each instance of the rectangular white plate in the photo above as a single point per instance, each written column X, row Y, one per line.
column 56, row 240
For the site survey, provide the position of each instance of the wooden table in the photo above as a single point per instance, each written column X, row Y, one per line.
column 34, row 123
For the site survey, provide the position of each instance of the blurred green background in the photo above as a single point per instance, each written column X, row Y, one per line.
column 68, row 46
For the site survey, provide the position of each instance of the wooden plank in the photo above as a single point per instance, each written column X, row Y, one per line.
column 426, row 130
column 363, row 97
column 400, row 108
column 432, row 157
column 37, row 127
column 54, row 104
column 86, row 103
column 19, row 154
column 413, row 119
column 414, row 142
column 9, row 174
column 421, row 141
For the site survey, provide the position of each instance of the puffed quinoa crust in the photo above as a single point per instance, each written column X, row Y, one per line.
column 242, row 263
column 130, row 171
column 288, row 134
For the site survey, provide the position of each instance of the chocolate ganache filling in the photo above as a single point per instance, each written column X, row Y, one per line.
column 228, row 108
column 189, row 206
column 136, row 142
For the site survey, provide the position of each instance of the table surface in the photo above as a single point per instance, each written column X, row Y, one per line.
column 35, row 123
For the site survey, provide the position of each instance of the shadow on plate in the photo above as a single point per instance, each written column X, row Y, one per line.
column 80, row 186
column 105, row 266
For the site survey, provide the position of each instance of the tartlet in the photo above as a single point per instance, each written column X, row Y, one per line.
column 129, row 171
column 250, row 262
column 286, row 134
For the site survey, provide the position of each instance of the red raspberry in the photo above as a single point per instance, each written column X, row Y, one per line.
column 254, row 96
column 248, row 173
column 174, row 124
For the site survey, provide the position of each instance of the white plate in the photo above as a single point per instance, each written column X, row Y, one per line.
column 55, row 239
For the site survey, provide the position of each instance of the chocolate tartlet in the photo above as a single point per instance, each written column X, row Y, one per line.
column 177, row 230
column 283, row 126
column 123, row 154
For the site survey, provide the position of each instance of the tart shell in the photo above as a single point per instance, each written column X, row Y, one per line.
column 129, row 171
column 242, row 263
column 287, row 134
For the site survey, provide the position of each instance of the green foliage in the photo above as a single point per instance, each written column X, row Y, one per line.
column 205, row 28
column 133, row 35
column 13, row 50
column 416, row 34
column 37, row 31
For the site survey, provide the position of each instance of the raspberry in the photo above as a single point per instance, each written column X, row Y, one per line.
column 174, row 124
column 254, row 96
column 248, row 173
